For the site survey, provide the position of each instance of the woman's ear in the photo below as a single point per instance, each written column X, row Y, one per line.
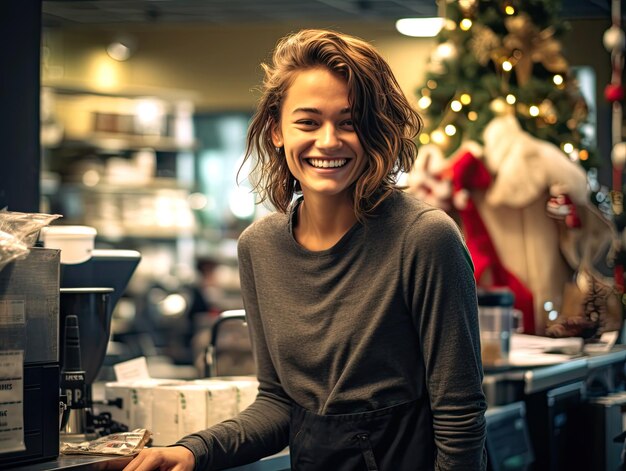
column 277, row 135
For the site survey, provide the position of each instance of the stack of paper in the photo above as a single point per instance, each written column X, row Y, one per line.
column 534, row 350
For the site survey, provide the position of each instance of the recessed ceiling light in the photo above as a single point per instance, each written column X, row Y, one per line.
column 420, row 27
column 121, row 48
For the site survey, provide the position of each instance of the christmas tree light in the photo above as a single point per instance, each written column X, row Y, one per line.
column 504, row 57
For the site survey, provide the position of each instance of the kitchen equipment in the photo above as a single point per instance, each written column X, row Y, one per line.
column 495, row 318
column 508, row 441
column 29, row 329
column 90, row 309
column 605, row 417
column 89, row 291
column 106, row 267
column 555, row 426
column 72, row 378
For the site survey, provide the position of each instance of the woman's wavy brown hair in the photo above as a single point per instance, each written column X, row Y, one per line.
column 385, row 122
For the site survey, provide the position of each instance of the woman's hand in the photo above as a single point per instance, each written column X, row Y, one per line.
column 174, row 458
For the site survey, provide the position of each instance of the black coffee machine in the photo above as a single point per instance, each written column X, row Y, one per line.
column 89, row 291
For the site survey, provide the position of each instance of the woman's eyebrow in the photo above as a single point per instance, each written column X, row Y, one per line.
column 317, row 111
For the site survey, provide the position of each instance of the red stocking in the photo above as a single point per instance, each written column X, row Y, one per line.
column 470, row 173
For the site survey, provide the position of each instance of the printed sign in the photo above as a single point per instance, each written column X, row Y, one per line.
column 11, row 401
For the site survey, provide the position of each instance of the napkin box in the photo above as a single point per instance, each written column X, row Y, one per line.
column 179, row 410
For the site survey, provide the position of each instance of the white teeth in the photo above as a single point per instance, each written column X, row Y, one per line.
column 324, row 163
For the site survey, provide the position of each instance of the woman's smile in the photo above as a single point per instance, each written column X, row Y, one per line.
column 326, row 163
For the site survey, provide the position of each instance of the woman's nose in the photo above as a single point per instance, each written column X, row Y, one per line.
column 328, row 138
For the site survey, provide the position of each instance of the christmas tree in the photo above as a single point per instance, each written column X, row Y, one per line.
column 497, row 56
column 505, row 151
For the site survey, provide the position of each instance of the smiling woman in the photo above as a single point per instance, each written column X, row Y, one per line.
column 360, row 299
column 322, row 151
column 317, row 136
column 367, row 101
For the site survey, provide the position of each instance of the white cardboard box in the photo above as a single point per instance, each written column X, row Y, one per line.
column 179, row 410
column 136, row 396
column 247, row 388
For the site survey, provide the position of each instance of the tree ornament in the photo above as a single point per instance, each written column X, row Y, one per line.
column 468, row 7
column 559, row 206
column 534, row 45
column 499, row 106
column 444, row 53
column 614, row 92
column 485, row 45
column 614, row 39
column 618, row 155
column 562, row 207
column 547, row 110
column 581, row 110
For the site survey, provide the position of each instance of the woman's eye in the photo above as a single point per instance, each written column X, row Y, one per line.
column 306, row 122
column 348, row 123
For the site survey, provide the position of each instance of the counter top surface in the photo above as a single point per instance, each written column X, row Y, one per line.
column 505, row 384
column 534, row 379
column 75, row 463
column 278, row 462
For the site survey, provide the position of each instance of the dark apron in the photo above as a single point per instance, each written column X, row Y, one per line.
column 397, row 438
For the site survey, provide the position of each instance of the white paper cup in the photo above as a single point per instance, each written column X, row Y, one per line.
column 75, row 242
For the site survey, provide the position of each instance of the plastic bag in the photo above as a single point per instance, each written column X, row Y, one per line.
column 19, row 232
column 126, row 443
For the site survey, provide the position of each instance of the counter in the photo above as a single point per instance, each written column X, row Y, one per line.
column 543, row 396
column 504, row 385
column 558, row 416
column 278, row 462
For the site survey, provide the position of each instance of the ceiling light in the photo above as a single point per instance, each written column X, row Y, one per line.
column 420, row 27
column 121, row 48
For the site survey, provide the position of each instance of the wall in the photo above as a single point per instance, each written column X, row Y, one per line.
column 218, row 65
column 583, row 46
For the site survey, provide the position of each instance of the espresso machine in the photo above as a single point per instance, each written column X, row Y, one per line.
column 88, row 294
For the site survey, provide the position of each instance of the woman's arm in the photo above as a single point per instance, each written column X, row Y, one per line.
column 446, row 317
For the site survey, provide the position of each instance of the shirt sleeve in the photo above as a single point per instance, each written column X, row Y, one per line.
column 263, row 428
column 445, row 312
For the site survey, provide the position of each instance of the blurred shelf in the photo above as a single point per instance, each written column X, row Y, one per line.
column 79, row 87
column 116, row 233
column 155, row 209
column 152, row 186
column 117, row 142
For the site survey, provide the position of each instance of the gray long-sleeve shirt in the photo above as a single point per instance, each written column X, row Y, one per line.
column 385, row 316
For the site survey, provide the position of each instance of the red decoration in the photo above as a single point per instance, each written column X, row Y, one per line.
column 468, row 173
column 614, row 92
column 562, row 207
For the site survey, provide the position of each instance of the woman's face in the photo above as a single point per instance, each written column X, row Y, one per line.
column 322, row 148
